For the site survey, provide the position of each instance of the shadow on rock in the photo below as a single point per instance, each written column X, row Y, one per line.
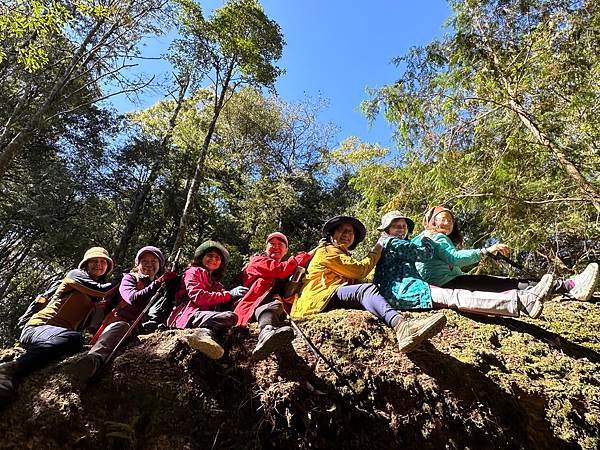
column 552, row 339
column 517, row 420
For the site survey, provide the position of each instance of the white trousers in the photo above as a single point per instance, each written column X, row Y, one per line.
column 477, row 302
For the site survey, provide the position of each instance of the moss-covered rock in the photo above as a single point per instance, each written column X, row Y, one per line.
column 481, row 383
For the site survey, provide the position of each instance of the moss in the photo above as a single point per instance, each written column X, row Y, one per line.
column 481, row 383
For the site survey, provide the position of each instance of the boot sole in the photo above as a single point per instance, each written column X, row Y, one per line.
column 541, row 297
column 209, row 348
column 276, row 342
column 547, row 291
column 585, row 296
column 412, row 342
column 7, row 391
column 537, row 310
column 83, row 370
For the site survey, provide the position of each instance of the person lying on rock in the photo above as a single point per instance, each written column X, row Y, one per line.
column 401, row 285
column 332, row 282
column 56, row 330
column 263, row 302
column 444, row 269
column 136, row 289
column 201, row 296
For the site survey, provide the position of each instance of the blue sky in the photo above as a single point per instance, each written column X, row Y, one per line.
column 336, row 49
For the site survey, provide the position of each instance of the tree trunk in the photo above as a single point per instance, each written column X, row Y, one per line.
column 13, row 270
column 141, row 196
column 8, row 150
column 193, row 190
column 584, row 186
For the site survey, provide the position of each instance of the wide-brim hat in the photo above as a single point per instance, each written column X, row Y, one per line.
column 389, row 217
column 97, row 252
column 207, row 245
column 152, row 250
column 360, row 232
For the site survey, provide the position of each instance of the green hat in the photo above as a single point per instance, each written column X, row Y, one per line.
column 207, row 245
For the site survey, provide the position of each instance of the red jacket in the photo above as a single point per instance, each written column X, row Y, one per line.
column 203, row 293
column 260, row 275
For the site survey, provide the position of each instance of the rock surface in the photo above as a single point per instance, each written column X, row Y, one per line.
column 482, row 383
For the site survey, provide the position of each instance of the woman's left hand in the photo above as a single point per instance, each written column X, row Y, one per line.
column 499, row 248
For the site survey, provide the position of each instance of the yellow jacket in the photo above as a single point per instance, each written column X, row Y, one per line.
column 331, row 267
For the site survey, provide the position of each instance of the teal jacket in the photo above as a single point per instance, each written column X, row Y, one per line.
column 396, row 276
column 446, row 262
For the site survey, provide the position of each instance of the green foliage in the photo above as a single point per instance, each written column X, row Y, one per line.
column 464, row 143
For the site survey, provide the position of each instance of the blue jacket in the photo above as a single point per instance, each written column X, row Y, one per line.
column 446, row 262
column 396, row 276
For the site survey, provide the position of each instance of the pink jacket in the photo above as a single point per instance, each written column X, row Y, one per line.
column 200, row 292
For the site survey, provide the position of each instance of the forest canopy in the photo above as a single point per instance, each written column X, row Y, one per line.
column 497, row 120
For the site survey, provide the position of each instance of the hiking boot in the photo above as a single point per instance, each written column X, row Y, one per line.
column 413, row 332
column 203, row 341
column 531, row 300
column 86, row 367
column 271, row 339
column 7, row 389
column 584, row 284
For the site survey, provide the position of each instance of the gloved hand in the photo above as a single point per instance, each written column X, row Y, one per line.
column 382, row 239
column 166, row 277
column 238, row 292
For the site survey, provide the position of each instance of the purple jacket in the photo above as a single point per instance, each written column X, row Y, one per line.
column 136, row 291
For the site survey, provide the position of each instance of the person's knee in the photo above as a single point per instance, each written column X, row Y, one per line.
column 71, row 342
column 119, row 327
column 229, row 318
column 371, row 289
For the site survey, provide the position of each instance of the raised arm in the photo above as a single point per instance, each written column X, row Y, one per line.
column 265, row 267
column 447, row 252
column 80, row 281
column 347, row 266
column 130, row 293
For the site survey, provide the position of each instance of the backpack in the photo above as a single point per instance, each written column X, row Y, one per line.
column 293, row 284
column 38, row 304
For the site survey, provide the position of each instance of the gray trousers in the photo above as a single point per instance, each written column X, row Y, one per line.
column 216, row 321
column 477, row 302
column 113, row 333
column 109, row 339
column 269, row 312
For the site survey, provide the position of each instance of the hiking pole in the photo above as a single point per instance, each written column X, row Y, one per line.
column 500, row 257
column 320, row 355
column 139, row 318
